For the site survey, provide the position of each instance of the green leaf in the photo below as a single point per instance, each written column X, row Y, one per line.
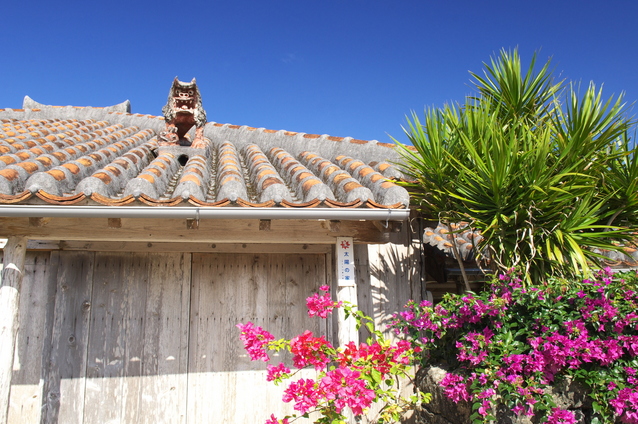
column 376, row 375
column 537, row 168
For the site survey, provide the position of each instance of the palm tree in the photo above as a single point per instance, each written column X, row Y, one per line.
column 541, row 171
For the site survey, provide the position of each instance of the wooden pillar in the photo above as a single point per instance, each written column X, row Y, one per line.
column 12, row 273
column 346, row 289
column 347, row 328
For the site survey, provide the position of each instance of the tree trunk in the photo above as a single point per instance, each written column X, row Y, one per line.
column 459, row 260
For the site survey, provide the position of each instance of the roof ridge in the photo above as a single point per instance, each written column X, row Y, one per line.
column 123, row 109
column 29, row 103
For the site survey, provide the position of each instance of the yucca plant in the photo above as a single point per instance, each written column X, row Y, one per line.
column 545, row 174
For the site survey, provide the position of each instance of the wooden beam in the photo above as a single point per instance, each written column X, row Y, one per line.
column 208, row 231
column 12, row 273
column 389, row 227
column 38, row 222
column 335, row 226
column 264, row 224
column 43, row 245
column 132, row 246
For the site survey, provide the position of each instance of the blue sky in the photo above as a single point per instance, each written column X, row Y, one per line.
column 345, row 68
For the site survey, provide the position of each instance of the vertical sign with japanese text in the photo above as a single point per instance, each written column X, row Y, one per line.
column 345, row 262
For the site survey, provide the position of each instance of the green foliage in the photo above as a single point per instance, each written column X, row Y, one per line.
column 545, row 174
column 507, row 345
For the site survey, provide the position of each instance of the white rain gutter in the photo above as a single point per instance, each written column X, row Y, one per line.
column 176, row 212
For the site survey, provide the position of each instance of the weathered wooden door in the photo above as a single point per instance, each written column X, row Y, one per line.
column 119, row 339
column 224, row 386
column 151, row 337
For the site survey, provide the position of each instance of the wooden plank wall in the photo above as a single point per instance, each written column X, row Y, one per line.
column 266, row 289
column 137, row 351
column 65, row 375
column 388, row 275
column 36, row 297
column 103, row 338
column 111, row 337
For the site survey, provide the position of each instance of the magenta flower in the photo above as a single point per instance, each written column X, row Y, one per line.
column 310, row 350
column 321, row 305
column 255, row 339
column 455, row 387
column 485, row 408
column 274, row 420
column 304, row 393
column 625, row 405
column 559, row 416
column 276, row 372
column 344, row 387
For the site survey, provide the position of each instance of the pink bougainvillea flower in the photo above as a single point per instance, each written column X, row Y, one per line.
column 455, row 387
column 377, row 356
column 321, row 305
column 485, row 408
column 563, row 416
column 275, row 372
column 304, row 393
column 344, row 387
column 307, row 350
column 255, row 339
column 274, row 420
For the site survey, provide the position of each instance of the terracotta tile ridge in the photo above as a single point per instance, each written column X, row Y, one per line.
column 265, row 179
column 374, row 205
column 229, row 168
column 302, row 135
column 15, row 198
column 342, row 183
column 157, row 202
column 335, row 204
column 139, row 115
column 219, row 204
column 101, row 108
column 60, row 200
column 357, row 141
column 39, row 109
column 311, row 204
column 247, row 204
column 306, row 185
column 112, row 202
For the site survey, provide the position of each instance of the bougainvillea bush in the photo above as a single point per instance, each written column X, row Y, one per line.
column 349, row 379
column 506, row 345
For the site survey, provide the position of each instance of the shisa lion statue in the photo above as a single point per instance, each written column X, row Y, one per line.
column 182, row 111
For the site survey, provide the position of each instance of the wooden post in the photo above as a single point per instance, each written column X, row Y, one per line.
column 346, row 289
column 347, row 328
column 12, row 273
